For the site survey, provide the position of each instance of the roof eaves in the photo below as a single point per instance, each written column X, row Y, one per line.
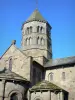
column 49, row 86
column 59, row 62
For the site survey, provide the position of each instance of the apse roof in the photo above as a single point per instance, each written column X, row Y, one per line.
column 9, row 75
column 61, row 61
column 45, row 85
column 36, row 16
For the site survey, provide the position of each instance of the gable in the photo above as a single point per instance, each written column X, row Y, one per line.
column 12, row 51
column 21, row 64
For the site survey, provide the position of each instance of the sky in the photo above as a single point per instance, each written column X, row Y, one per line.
column 59, row 13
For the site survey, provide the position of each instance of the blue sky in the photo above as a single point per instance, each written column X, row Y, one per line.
column 59, row 13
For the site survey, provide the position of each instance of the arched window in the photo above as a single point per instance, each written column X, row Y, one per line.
column 38, row 40
column 10, row 64
column 14, row 96
column 30, row 29
column 27, row 30
column 42, row 41
column 38, row 28
column 50, row 76
column 41, row 29
column 63, row 75
column 26, row 41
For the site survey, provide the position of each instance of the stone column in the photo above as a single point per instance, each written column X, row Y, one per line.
column 50, row 95
column 29, row 95
column 3, row 90
column 34, row 29
column 55, row 97
column 61, row 95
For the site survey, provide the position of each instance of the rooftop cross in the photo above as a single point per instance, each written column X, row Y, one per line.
column 36, row 4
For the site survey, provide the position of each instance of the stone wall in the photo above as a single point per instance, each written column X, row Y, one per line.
column 7, row 88
column 21, row 63
column 46, row 95
column 38, row 55
column 37, row 73
column 41, row 49
column 68, row 83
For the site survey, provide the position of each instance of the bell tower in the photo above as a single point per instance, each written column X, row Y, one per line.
column 36, row 36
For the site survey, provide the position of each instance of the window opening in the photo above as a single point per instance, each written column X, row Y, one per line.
column 30, row 29
column 51, row 76
column 38, row 28
column 63, row 75
column 14, row 96
column 10, row 64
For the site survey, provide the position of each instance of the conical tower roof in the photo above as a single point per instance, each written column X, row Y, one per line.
column 36, row 16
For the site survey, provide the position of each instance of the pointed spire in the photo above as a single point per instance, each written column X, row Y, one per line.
column 36, row 16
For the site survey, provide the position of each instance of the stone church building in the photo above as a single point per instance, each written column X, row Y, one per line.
column 29, row 72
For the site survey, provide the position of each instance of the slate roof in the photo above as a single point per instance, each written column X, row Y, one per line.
column 45, row 85
column 9, row 75
column 36, row 16
column 61, row 61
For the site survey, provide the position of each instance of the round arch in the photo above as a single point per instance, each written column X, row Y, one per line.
column 15, row 95
column 50, row 76
column 38, row 40
column 38, row 98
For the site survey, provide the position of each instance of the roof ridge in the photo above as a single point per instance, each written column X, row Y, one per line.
column 62, row 58
column 60, row 61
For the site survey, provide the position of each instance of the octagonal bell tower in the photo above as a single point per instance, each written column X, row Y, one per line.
column 36, row 36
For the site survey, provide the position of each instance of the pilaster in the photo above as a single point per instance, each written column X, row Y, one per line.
column 3, row 90
column 61, row 95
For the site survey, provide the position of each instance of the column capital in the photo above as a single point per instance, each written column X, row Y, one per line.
column 3, row 81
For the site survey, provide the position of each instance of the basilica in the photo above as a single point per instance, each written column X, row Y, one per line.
column 30, row 72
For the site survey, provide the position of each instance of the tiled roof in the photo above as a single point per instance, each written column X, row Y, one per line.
column 61, row 61
column 9, row 75
column 45, row 85
column 36, row 16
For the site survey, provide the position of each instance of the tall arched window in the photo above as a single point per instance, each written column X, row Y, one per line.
column 50, row 76
column 41, row 29
column 27, row 30
column 38, row 28
column 38, row 40
column 30, row 29
column 14, row 96
column 63, row 75
column 26, row 42
column 10, row 64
